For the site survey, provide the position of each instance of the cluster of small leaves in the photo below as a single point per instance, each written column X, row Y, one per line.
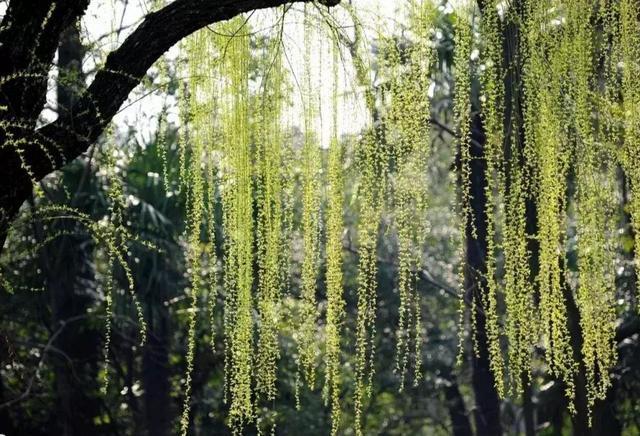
column 562, row 143
column 595, row 205
column 493, row 116
column 372, row 157
column 464, row 44
column 334, row 249
column 408, row 135
column 237, row 202
column 629, row 47
column 217, row 146
column 310, row 221
column 272, row 232
column 116, row 242
column 549, row 153
column 197, row 103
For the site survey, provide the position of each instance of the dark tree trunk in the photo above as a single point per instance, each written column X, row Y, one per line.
column 155, row 375
column 76, row 346
column 70, row 83
column 527, row 409
column 66, row 266
column 487, row 407
column 29, row 35
column 460, row 424
column 513, row 56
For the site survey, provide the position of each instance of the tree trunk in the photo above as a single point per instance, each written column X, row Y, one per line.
column 527, row 409
column 74, row 361
column 487, row 407
column 460, row 424
column 155, row 375
column 65, row 265
column 75, row 346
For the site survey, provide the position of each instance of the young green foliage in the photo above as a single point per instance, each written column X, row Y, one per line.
column 408, row 134
column 629, row 47
column 271, row 242
column 199, row 100
column 493, row 113
column 310, row 221
column 595, row 185
column 549, row 151
column 334, row 229
column 237, row 202
column 464, row 42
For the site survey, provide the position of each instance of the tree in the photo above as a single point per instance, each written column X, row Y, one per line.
column 539, row 135
column 29, row 37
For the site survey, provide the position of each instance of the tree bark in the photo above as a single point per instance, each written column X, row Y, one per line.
column 155, row 374
column 487, row 407
column 29, row 36
column 527, row 409
column 65, row 263
column 457, row 411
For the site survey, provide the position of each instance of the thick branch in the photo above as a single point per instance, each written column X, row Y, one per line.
column 29, row 36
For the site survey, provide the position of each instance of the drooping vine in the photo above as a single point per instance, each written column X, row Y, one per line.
column 549, row 149
column 595, row 185
column 271, row 243
column 408, row 132
column 372, row 163
column 237, row 201
column 310, row 220
column 493, row 115
column 198, row 104
column 334, row 249
column 463, row 27
column 371, row 155
column 630, row 54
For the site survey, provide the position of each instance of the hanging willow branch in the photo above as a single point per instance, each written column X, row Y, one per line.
column 42, row 151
